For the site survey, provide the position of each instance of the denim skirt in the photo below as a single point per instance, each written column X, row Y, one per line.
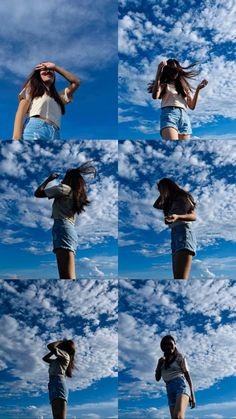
column 183, row 238
column 174, row 117
column 64, row 236
column 57, row 388
column 37, row 129
column 175, row 388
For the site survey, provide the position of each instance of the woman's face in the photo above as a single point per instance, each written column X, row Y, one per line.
column 169, row 347
column 47, row 76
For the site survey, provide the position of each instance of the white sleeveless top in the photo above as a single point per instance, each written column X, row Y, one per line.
column 173, row 98
column 45, row 106
column 175, row 370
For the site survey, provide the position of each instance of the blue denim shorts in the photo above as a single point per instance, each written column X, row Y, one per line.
column 37, row 129
column 173, row 117
column 175, row 388
column 57, row 388
column 183, row 238
column 64, row 236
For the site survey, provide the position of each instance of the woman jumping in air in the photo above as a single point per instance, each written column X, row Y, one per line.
column 173, row 369
column 179, row 212
column 42, row 104
column 172, row 87
column 70, row 198
column 60, row 367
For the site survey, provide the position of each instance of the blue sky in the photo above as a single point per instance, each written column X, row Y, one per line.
column 200, row 315
column 194, row 31
column 201, row 167
column 26, row 245
column 78, row 36
column 34, row 313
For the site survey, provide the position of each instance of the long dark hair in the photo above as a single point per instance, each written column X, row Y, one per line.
column 176, row 354
column 69, row 347
column 175, row 73
column 171, row 191
column 75, row 180
column 37, row 88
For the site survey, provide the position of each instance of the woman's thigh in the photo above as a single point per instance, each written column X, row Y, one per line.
column 169, row 133
column 184, row 136
column 182, row 262
column 181, row 406
column 59, row 409
column 66, row 263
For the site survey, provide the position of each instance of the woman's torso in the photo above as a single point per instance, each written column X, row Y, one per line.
column 63, row 204
column 172, row 98
column 45, row 106
column 175, row 370
column 180, row 205
column 59, row 365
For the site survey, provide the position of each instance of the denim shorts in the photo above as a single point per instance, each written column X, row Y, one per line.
column 175, row 388
column 64, row 236
column 57, row 388
column 173, row 117
column 37, row 129
column 183, row 238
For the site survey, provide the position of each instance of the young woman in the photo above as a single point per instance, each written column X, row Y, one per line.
column 179, row 212
column 60, row 367
column 173, row 368
column 172, row 87
column 70, row 198
column 40, row 101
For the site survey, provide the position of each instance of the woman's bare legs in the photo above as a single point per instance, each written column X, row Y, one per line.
column 181, row 406
column 184, row 137
column 169, row 133
column 66, row 263
column 59, row 409
column 172, row 134
column 181, row 263
column 172, row 410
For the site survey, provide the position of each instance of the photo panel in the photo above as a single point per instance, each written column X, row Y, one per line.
column 26, row 223
column 36, row 313
column 201, row 168
column 195, row 34
column 79, row 38
column 200, row 316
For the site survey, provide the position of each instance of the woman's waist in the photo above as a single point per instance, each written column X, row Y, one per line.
column 180, row 223
column 48, row 121
column 174, row 378
column 64, row 221
column 56, row 377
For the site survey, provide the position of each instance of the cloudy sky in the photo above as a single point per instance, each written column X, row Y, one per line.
column 34, row 313
column 202, row 168
column 193, row 31
column 201, row 316
column 25, row 244
column 78, row 36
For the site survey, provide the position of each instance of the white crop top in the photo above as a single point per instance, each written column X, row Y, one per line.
column 59, row 365
column 173, row 98
column 175, row 370
column 45, row 106
column 63, row 205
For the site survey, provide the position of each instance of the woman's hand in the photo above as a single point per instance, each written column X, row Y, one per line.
column 45, row 66
column 192, row 401
column 161, row 362
column 171, row 218
column 53, row 176
column 161, row 66
column 203, row 84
